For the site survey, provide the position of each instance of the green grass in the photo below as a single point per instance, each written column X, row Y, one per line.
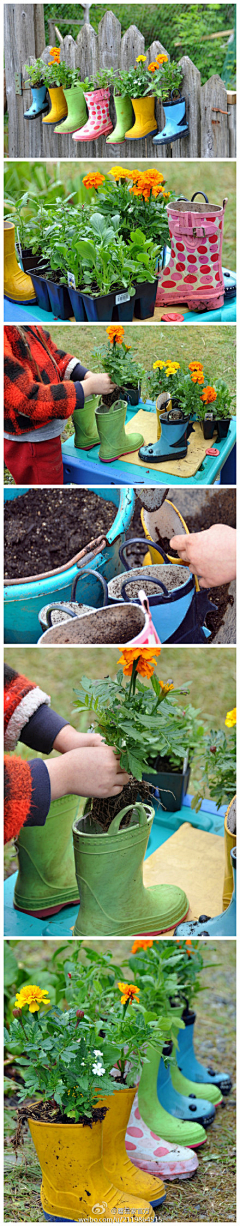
column 210, row 1196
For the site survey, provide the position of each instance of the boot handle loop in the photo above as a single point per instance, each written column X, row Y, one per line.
column 199, row 194
column 97, row 575
column 135, row 578
column 140, row 540
column 141, row 811
column 60, row 608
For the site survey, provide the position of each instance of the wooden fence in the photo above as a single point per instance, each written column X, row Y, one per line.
column 210, row 110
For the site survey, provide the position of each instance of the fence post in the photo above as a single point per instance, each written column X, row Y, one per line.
column 214, row 119
column 232, row 108
column 153, row 151
column 109, row 50
column 190, row 146
column 19, row 47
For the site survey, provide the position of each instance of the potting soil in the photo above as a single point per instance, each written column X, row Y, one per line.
column 49, row 1113
column 171, row 576
column 44, row 529
column 93, row 630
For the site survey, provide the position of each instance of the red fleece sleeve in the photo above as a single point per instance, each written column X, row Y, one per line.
column 17, row 795
column 60, row 357
column 28, row 402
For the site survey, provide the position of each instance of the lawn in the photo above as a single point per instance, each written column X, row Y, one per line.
column 210, row 1196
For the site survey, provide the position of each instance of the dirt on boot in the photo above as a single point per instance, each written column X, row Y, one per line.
column 232, row 817
column 44, row 529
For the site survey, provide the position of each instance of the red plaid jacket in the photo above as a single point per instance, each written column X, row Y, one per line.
column 21, row 699
column 37, row 380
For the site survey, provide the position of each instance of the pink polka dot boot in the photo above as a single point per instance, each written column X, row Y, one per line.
column 99, row 122
column 149, row 1153
column 194, row 273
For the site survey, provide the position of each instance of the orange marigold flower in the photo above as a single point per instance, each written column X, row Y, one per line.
column 209, row 395
column 152, row 67
column 140, row 945
column 129, row 992
column 145, row 660
column 115, row 332
column 93, row 180
column 195, row 366
column 55, row 55
column 119, row 172
column 197, row 376
column 161, row 58
column 153, row 176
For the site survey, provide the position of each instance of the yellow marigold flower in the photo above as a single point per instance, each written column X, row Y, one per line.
column 55, row 54
column 129, row 992
column 231, row 718
column 141, row 59
column 115, row 333
column 159, row 365
column 32, row 996
column 145, row 660
column 118, row 172
column 209, row 395
column 93, row 180
column 197, row 376
column 140, row 945
column 166, row 686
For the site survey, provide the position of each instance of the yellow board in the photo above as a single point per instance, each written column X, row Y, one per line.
column 193, row 860
column 146, row 424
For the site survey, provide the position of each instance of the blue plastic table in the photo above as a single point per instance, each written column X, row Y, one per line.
column 15, row 314
column 85, row 468
column 17, row 924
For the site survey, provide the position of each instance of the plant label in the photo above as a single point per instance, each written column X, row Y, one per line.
column 121, row 298
column 71, row 280
column 19, row 243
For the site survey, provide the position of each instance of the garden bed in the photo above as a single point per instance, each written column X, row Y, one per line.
column 43, row 529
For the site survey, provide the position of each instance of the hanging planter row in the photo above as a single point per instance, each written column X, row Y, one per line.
column 81, row 109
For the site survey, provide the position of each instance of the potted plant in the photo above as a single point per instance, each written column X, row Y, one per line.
column 56, row 75
column 139, row 196
column 166, row 85
column 218, row 414
column 39, row 105
column 76, row 105
column 175, row 388
column 107, row 272
column 123, row 108
column 118, row 361
column 97, row 97
column 136, row 82
column 66, row 1060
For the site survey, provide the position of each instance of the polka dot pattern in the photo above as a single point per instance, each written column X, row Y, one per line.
column 99, row 122
column 195, row 262
column 150, row 1153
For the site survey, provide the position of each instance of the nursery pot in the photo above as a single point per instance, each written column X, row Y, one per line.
column 209, row 425
column 171, row 786
column 60, row 304
column 146, row 293
column 25, row 597
column 130, row 393
column 168, row 607
column 222, row 424
column 29, row 261
column 41, row 288
column 106, row 307
column 75, row 1186
column 77, row 304
column 130, row 626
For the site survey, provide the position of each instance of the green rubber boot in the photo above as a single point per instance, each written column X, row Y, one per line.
column 46, row 879
column 124, row 118
column 114, row 442
column 77, row 110
column 109, row 867
column 210, row 1093
column 164, row 1125
column 85, row 426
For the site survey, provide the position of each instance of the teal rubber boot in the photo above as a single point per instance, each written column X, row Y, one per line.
column 172, row 444
column 84, row 421
column 160, row 1121
column 223, row 925
column 190, row 1088
column 114, row 442
column 124, row 119
column 109, row 871
column 39, row 105
column 181, row 1106
column 77, row 111
column 46, row 879
column 189, row 1064
column 176, row 124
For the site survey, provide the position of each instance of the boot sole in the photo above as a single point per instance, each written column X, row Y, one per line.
column 129, row 933
column 193, row 304
column 21, row 301
column 169, row 140
column 117, row 457
column 179, row 455
column 48, row 911
column 104, row 132
column 35, row 116
column 143, row 137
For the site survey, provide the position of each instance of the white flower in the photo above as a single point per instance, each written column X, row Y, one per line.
column 98, row 1069
column 96, row 1052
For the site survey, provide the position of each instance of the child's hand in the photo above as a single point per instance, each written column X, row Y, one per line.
column 68, row 739
column 97, row 384
column 211, row 554
column 86, row 772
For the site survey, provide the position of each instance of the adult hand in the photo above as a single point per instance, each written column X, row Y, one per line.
column 95, row 772
column 211, row 554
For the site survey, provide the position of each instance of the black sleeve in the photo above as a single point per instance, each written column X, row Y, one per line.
column 41, row 793
column 78, row 372
column 41, row 730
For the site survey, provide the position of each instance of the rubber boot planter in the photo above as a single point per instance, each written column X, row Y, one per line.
column 160, row 1121
column 109, row 868
column 18, row 287
column 75, row 1186
column 39, row 104
column 124, row 117
column 223, row 925
column 99, row 122
column 180, row 1106
column 176, row 125
column 58, row 109
column 117, row 1164
column 76, row 111
column 145, row 123
column 46, row 879
column 151, row 1153
column 229, row 844
column 173, row 443
column 188, row 1063
column 84, row 421
column 194, row 273
column 114, row 442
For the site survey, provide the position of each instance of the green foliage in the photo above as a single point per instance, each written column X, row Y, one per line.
column 182, row 387
column 35, row 73
column 169, row 967
column 118, row 361
column 166, row 82
column 222, row 406
column 218, row 769
column 147, row 214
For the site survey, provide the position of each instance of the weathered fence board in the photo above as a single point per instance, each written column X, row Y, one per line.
column 210, row 111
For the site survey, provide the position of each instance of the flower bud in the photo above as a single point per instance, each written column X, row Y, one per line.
column 213, row 748
column 80, row 1014
column 17, row 1013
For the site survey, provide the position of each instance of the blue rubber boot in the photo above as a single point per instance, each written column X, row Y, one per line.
column 223, row 925
column 192, row 1109
column 39, row 104
column 176, row 124
column 172, row 445
column 188, row 1063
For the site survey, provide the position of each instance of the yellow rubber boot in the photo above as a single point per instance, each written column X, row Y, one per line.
column 75, row 1186
column 229, row 843
column 145, row 122
column 59, row 108
column 116, row 1162
column 18, row 287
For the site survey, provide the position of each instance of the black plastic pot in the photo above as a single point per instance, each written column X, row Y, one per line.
column 41, row 289
column 76, row 300
column 131, row 394
column 209, row 425
column 171, row 787
column 223, row 424
column 60, row 304
column 29, row 260
column 104, row 309
column 145, row 299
